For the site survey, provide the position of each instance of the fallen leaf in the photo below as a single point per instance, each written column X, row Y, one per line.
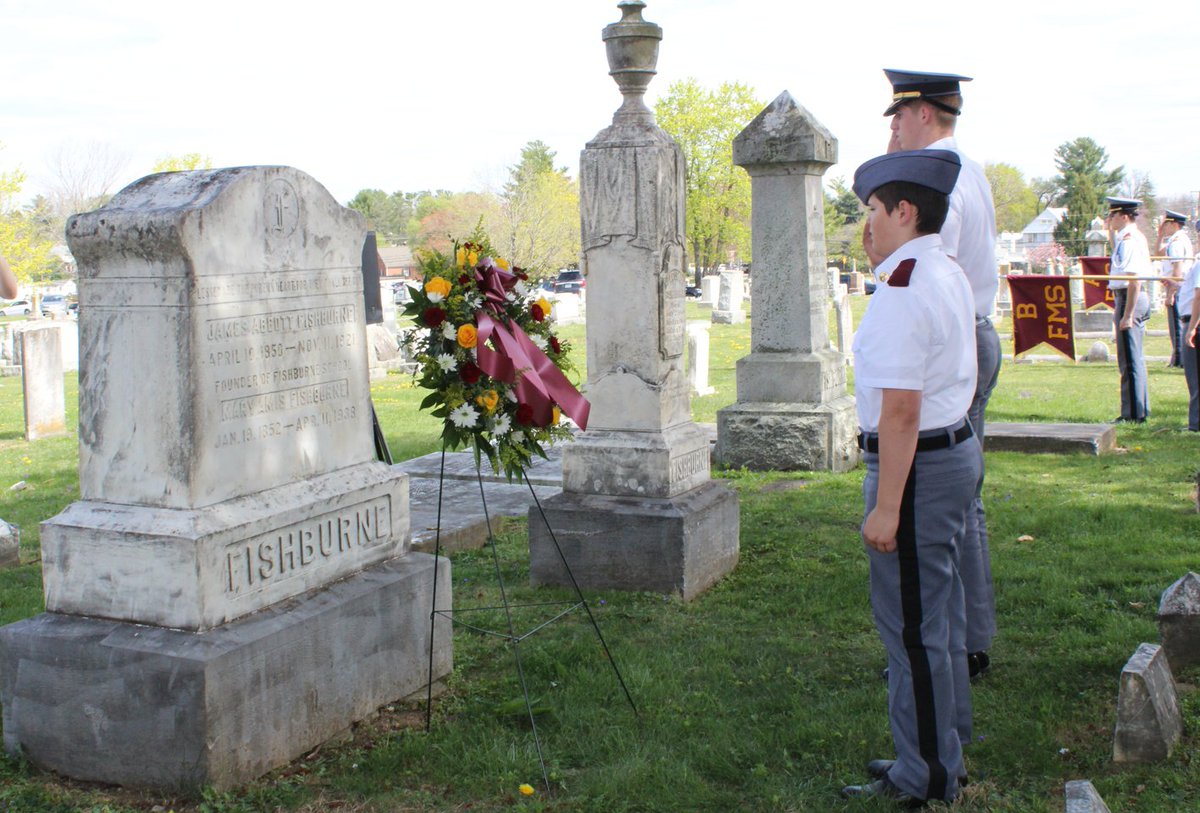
column 1024, row 538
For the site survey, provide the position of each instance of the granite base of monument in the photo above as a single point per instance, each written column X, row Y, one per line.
column 788, row 437
column 147, row 706
column 681, row 545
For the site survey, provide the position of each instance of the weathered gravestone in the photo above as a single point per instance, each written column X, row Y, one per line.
column 232, row 589
column 1148, row 718
column 1179, row 622
column 792, row 409
column 42, row 366
column 697, row 358
column 638, row 509
column 1083, row 798
column 710, row 290
column 728, row 310
column 10, row 545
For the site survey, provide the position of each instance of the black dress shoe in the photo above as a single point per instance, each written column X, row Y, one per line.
column 883, row 789
column 878, row 769
column 978, row 664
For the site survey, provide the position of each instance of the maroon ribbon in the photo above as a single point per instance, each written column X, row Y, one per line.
column 540, row 384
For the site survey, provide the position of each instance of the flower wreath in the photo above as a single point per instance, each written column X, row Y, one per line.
column 489, row 357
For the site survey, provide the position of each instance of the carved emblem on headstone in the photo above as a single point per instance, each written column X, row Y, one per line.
column 281, row 208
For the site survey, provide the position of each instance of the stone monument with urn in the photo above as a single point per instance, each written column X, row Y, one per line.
column 233, row 586
column 638, row 509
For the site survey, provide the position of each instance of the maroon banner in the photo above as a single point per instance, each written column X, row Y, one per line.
column 1041, row 313
column 1095, row 291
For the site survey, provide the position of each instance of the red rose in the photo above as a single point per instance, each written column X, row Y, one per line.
column 464, row 280
column 433, row 317
column 536, row 313
column 470, row 372
column 524, row 414
column 554, row 345
column 520, row 274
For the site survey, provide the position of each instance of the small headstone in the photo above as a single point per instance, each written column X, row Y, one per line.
column 10, row 545
column 1093, row 321
column 1083, row 798
column 1098, row 352
column 729, row 300
column 1148, row 718
column 567, row 309
column 845, row 328
column 1179, row 622
column 45, row 401
column 710, row 290
column 857, row 282
column 697, row 358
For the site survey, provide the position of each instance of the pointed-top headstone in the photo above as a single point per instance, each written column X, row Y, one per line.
column 784, row 132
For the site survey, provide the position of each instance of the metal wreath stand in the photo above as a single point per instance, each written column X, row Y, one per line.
column 510, row 635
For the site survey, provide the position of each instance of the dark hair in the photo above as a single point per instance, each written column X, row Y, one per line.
column 931, row 205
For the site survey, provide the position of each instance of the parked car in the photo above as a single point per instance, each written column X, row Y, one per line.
column 54, row 303
column 570, row 282
column 692, row 292
column 20, row 307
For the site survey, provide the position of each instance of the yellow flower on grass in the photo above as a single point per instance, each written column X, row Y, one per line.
column 526, row 789
column 488, row 400
column 438, row 289
column 467, row 336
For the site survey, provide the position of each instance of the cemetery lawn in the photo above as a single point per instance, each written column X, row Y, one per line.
column 762, row 694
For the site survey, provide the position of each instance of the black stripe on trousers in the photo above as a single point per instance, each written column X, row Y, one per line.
column 918, row 658
column 1130, row 373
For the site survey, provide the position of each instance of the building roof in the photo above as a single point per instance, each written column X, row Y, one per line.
column 396, row 256
column 1046, row 221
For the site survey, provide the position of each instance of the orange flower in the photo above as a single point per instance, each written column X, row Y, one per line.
column 467, row 336
column 438, row 289
column 503, row 263
column 555, row 415
column 488, row 400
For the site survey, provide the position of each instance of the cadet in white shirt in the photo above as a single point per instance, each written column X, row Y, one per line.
column 925, row 109
column 915, row 376
column 1131, row 306
column 1174, row 243
column 1188, row 302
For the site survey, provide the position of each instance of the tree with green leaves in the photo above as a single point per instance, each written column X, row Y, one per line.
column 704, row 123
column 182, row 163
column 539, row 207
column 1016, row 204
column 22, row 239
column 386, row 215
column 1084, row 181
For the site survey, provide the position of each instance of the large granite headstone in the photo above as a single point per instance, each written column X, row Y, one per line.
column 638, row 509
column 1149, row 723
column 792, row 409
column 42, row 366
column 232, row 588
column 1179, row 622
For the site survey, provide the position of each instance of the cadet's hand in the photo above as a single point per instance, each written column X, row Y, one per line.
column 879, row 531
column 1126, row 323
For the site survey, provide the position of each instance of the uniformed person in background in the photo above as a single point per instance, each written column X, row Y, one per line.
column 1131, row 305
column 1176, row 246
column 1188, row 302
column 915, row 376
column 925, row 109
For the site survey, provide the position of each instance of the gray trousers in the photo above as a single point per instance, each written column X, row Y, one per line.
column 975, row 562
column 917, row 601
column 1190, row 356
column 1131, row 361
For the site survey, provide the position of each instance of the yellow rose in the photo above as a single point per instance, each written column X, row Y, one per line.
column 555, row 415
column 460, row 257
column 437, row 288
column 473, row 258
column 488, row 400
column 503, row 263
column 544, row 305
column 467, row 337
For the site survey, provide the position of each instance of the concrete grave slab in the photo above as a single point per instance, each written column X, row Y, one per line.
column 1056, row 438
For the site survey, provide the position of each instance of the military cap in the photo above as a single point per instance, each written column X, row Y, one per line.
column 910, row 85
column 935, row 169
column 1175, row 217
column 1126, row 206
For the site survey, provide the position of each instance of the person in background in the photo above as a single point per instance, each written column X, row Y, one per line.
column 915, row 374
column 8, row 280
column 1187, row 300
column 925, row 109
column 1131, row 306
column 1176, row 246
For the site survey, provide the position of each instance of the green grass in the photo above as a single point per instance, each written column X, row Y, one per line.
column 762, row 694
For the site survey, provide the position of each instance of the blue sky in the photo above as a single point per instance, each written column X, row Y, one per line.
column 415, row 95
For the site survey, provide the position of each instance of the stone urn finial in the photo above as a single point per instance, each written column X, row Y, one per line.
column 632, row 46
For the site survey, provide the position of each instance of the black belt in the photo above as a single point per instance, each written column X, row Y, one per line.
column 942, row 440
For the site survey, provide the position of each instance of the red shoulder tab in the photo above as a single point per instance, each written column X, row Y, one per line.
column 899, row 277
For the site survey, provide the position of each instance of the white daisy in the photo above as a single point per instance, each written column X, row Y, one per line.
column 474, row 302
column 449, row 331
column 522, row 288
column 464, row 417
column 446, row 361
column 501, row 425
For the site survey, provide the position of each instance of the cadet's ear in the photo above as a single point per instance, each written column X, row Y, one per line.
column 906, row 213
